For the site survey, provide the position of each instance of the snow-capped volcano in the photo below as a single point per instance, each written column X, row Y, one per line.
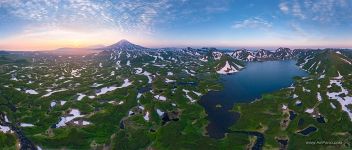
column 124, row 45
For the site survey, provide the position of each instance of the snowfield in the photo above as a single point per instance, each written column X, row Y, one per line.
column 104, row 90
column 74, row 113
column 227, row 69
column 344, row 101
column 160, row 97
column 33, row 92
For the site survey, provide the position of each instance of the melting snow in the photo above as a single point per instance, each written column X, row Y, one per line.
column 346, row 61
column 332, row 105
column 197, row 93
column 75, row 73
column 52, row 92
column 52, row 104
column 62, row 103
column 160, row 113
column 169, row 81
column 80, row 96
column 4, row 129
column 295, row 95
column 26, row 125
column 305, row 90
column 338, row 77
column 138, row 70
column 104, row 90
column 298, row 102
column 139, row 95
column 309, row 110
column 204, row 59
column 96, row 85
column 74, row 113
column 217, row 55
column 189, row 97
column 284, row 107
column 160, row 97
column 31, row 92
column 146, row 116
column 227, row 69
column 344, row 101
column 148, row 75
column 84, row 123
column 141, row 107
column 319, row 97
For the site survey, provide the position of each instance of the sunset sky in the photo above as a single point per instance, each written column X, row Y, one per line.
column 51, row 24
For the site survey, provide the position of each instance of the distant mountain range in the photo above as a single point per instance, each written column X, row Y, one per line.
column 312, row 60
column 262, row 55
column 3, row 52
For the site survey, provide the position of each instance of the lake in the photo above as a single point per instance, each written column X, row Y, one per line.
column 245, row 86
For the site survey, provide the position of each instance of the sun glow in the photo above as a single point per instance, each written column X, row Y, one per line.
column 58, row 38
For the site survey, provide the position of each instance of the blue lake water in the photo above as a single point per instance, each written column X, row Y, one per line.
column 245, row 86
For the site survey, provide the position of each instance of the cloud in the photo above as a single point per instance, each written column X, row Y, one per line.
column 283, row 7
column 293, row 8
column 255, row 22
column 323, row 11
column 137, row 16
column 297, row 11
column 124, row 15
column 69, row 13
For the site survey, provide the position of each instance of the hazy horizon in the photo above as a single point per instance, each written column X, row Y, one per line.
column 184, row 46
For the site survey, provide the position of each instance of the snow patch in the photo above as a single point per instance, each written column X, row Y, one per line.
column 26, row 125
column 227, row 69
column 160, row 97
column 319, row 97
column 159, row 112
column 309, row 110
column 80, row 96
column 33, row 92
column 104, row 90
column 146, row 116
column 74, row 113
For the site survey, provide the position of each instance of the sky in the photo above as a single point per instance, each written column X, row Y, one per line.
column 51, row 24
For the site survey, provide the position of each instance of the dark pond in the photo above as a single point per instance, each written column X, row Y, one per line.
column 188, row 83
column 145, row 89
column 321, row 119
column 292, row 115
column 308, row 130
column 283, row 143
column 122, row 124
column 245, row 86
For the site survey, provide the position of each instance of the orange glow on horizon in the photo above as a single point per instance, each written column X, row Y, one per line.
column 54, row 39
